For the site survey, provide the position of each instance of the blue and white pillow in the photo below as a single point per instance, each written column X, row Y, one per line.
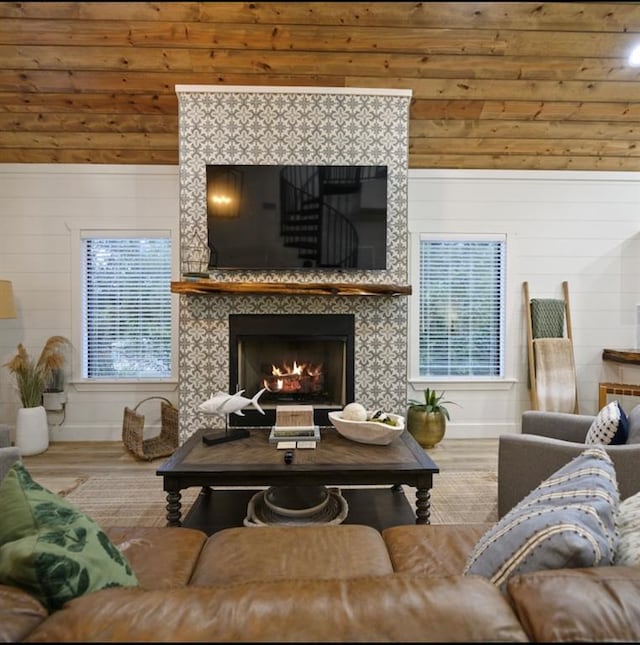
column 609, row 427
column 568, row 521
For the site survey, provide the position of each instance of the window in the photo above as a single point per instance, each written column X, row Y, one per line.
column 461, row 306
column 126, row 327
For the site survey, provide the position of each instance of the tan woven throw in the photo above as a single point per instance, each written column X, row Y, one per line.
column 555, row 374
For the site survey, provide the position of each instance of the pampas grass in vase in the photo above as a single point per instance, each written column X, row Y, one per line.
column 32, row 377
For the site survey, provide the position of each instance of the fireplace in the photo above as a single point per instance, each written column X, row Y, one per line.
column 301, row 359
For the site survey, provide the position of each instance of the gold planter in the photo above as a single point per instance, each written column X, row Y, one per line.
column 426, row 427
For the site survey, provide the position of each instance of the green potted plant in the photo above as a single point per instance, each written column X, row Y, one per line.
column 427, row 419
column 32, row 378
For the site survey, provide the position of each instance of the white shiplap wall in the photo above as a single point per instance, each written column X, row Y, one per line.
column 582, row 227
column 42, row 209
column 575, row 226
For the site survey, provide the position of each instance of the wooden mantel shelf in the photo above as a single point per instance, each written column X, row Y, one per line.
column 291, row 288
column 630, row 356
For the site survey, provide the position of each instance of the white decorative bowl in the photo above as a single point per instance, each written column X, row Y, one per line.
column 373, row 432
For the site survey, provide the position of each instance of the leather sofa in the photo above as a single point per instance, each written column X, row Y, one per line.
column 328, row 583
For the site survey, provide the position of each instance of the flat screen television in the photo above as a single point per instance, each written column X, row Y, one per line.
column 297, row 217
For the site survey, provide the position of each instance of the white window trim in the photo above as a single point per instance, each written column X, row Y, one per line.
column 117, row 385
column 417, row 382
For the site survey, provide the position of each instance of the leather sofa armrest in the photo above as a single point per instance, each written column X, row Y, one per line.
column 20, row 614
column 596, row 605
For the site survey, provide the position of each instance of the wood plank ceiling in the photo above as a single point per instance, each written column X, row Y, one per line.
column 521, row 85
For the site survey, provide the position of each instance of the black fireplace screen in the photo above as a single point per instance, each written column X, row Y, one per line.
column 297, row 359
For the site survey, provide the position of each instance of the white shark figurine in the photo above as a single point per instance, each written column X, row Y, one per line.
column 223, row 403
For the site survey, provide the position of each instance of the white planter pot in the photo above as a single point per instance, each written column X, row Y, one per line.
column 32, row 431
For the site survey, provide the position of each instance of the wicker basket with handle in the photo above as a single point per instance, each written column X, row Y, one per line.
column 161, row 445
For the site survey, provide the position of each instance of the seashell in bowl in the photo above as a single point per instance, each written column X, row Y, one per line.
column 373, row 432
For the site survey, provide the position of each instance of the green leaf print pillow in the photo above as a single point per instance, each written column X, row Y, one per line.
column 49, row 548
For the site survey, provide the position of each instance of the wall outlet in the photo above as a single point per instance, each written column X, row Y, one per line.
column 54, row 401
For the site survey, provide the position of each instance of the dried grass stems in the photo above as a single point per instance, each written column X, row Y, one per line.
column 32, row 377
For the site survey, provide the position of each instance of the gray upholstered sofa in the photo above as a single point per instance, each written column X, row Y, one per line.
column 8, row 454
column 548, row 441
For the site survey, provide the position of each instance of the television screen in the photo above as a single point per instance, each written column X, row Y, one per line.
column 297, row 217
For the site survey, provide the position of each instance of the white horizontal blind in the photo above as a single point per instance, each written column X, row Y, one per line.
column 127, row 307
column 461, row 310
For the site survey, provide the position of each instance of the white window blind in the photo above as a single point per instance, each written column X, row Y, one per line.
column 461, row 310
column 127, row 307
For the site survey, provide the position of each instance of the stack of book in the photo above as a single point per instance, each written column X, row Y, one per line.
column 294, row 423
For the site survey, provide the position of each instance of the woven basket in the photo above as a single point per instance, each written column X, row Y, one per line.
column 155, row 447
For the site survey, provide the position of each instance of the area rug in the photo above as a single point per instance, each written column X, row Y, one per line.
column 60, row 484
column 463, row 497
column 124, row 500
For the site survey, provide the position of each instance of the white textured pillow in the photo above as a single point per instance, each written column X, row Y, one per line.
column 568, row 521
column 609, row 427
column 628, row 525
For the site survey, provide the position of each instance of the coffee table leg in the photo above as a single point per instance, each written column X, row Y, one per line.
column 174, row 507
column 423, row 505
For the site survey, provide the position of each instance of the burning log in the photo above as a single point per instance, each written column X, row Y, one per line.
column 300, row 378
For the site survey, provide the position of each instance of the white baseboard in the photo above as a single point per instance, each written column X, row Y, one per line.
column 93, row 433
column 480, row 430
column 114, row 433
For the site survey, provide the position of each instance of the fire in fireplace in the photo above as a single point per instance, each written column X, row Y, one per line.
column 298, row 358
column 299, row 378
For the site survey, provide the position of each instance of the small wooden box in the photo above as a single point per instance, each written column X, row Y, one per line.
column 294, row 415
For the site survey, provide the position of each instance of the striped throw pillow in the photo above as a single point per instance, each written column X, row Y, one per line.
column 628, row 525
column 568, row 521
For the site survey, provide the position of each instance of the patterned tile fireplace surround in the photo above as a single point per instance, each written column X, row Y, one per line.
column 291, row 125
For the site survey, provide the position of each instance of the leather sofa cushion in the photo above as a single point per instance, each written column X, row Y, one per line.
column 276, row 552
column 20, row 613
column 432, row 549
column 591, row 605
column 161, row 557
column 368, row 609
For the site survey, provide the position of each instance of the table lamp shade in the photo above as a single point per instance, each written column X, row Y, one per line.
column 7, row 308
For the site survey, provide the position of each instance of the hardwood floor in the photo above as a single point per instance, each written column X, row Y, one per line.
column 84, row 458
column 465, row 454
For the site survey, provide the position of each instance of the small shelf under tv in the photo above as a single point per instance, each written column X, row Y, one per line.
column 203, row 287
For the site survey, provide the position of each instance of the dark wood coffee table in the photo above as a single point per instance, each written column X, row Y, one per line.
column 336, row 461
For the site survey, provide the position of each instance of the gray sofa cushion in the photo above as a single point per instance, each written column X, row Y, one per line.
column 634, row 425
column 5, row 436
column 8, row 457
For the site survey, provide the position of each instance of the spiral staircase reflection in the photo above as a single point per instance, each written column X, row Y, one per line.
column 315, row 203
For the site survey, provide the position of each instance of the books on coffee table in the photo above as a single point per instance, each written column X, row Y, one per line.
column 294, row 423
column 294, row 433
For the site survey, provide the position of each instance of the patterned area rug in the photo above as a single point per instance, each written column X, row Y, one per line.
column 456, row 497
